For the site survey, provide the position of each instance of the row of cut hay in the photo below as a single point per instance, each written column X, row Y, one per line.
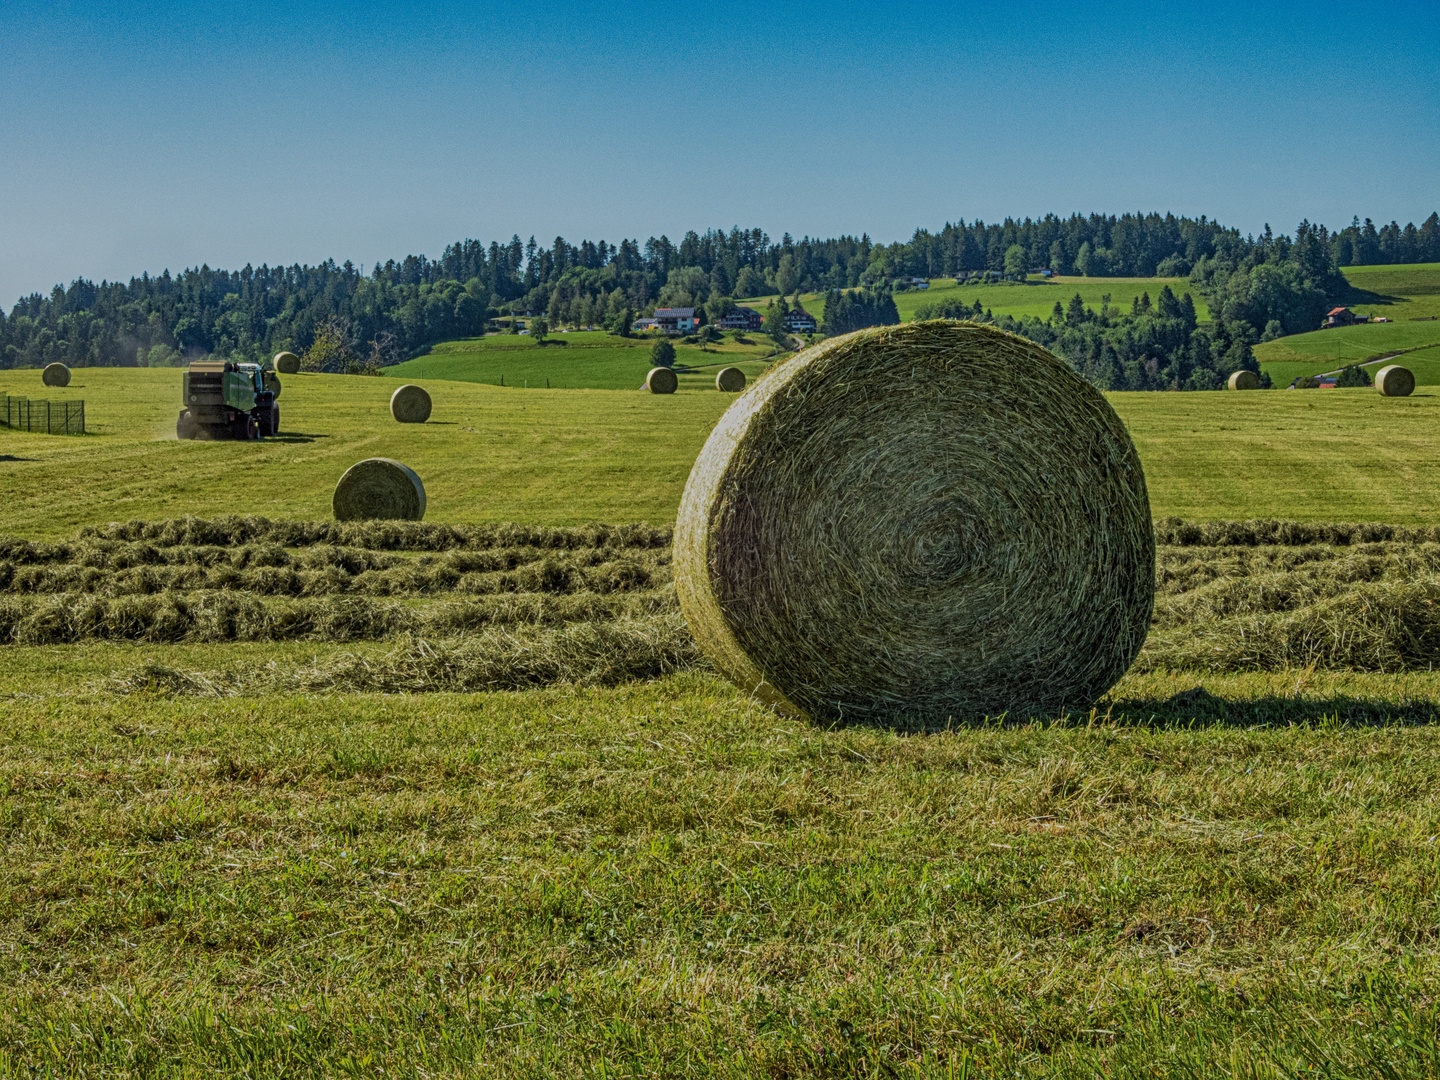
column 377, row 535
column 546, row 574
column 1181, row 570
column 1387, row 626
column 585, row 654
column 172, row 618
column 1177, row 532
column 1265, row 594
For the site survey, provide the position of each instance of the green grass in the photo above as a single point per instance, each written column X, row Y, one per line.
column 569, row 456
column 584, row 360
column 1216, row 873
column 663, row 880
column 1036, row 297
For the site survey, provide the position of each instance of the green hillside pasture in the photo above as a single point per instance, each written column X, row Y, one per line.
column 593, row 361
column 570, row 456
column 1327, row 350
column 1037, row 297
column 1402, row 293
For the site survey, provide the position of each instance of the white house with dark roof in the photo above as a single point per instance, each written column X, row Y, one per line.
column 677, row 320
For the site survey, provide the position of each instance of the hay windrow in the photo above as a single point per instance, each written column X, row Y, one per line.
column 930, row 521
column 379, row 488
column 1395, row 381
column 287, row 363
column 730, row 380
column 1243, row 380
column 55, row 375
column 410, row 404
column 661, row 380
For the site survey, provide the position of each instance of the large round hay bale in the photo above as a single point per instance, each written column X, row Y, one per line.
column 287, row 363
column 55, row 375
column 379, row 488
column 410, row 404
column 661, row 380
column 1244, row 380
column 731, row 380
column 927, row 522
column 272, row 382
column 1395, row 381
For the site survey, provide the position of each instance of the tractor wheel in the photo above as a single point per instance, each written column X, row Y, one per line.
column 185, row 426
column 252, row 429
column 270, row 422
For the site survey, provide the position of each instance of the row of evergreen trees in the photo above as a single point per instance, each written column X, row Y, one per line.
column 399, row 308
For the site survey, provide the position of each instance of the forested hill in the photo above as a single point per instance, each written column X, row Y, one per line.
column 400, row 307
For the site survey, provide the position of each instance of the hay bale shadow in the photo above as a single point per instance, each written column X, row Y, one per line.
column 1200, row 707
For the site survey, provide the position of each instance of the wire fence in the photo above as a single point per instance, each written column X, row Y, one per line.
column 46, row 417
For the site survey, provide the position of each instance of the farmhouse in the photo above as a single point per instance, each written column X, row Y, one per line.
column 1341, row 316
column 800, row 321
column 741, row 318
column 911, row 283
column 677, row 320
column 641, row 325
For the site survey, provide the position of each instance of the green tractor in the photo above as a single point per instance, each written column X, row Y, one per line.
column 225, row 400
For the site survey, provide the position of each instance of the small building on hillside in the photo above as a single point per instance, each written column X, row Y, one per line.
column 1341, row 316
column 677, row 320
column 912, row 283
column 642, row 325
column 741, row 318
column 800, row 321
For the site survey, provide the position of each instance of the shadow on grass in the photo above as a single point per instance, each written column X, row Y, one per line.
column 12, row 457
column 1199, row 706
column 295, row 437
column 1354, row 295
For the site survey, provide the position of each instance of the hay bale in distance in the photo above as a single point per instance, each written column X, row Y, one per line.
column 410, row 404
column 379, row 489
column 1395, row 381
column 926, row 522
column 731, row 380
column 55, row 375
column 287, row 363
column 272, row 382
column 661, row 380
column 1243, row 380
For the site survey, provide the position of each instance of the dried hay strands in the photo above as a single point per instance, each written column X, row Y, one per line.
column 410, row 404
column 932, row 521
column 379, row 488
column 1243, row 380
column 661, row 380
column 1395, row 381
column 731, row 380
column 287, row 363
column 55, row 375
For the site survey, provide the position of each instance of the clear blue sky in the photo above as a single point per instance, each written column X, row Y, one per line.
column 144, row 136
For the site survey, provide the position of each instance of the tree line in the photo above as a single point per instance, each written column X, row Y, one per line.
column 399, row 308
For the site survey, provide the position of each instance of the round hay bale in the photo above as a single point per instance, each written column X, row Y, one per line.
column 272, row 382
column 287, row 363
column 1244, row 380
column 731, row 380
column 55, row 375
column 1395, row 381
column 661, row 380
column 379, row 488
column 927, row 522
column 410, row 404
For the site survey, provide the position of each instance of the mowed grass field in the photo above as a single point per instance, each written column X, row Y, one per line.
column 566, row 457
column 314, row 856
column 581, row 360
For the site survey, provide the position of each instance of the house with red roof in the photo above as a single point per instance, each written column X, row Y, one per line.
column 1341, row 316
